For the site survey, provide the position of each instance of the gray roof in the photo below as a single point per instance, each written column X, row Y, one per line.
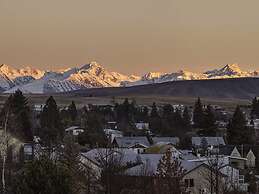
column 187, row 155
column 172, row 140
column 125, row 155
column 214, row 141
column 151, row 161
column 127, row 142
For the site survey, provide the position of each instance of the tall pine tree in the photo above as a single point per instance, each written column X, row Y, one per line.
column 155, row 120
column 198, row 114
column 238, row 131
column 255, row 108
column 19, row 113
column 72, row 111
column 186, row 118
column 170, row 174
column 52, row 129
column 209, row 127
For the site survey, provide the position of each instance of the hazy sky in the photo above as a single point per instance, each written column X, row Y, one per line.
column 130, row 36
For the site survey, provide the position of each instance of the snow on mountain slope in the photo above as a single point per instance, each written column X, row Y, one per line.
column 93, row 75
column 154, row 77
column 13, row 73
column 10, row 77
column 228, row 71
column 90, row 75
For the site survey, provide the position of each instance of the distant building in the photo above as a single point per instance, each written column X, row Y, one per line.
column 74, row 130
column 250, row 163
column 197, row 173
column 138, row 144
column 241, row 157
column 168, row 140
column 111, row 125
column 211, row 141
column 236, row 160
column 142, row 126
column 111, row 134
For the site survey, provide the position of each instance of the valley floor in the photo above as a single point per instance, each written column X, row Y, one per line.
column 64, row 100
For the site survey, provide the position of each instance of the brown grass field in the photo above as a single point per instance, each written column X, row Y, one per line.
column 64, row 100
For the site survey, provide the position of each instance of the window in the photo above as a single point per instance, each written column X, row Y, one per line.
column 241, row 179
column 189, row 182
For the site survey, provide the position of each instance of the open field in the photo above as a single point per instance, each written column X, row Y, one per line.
column 224, row 92
column 64, row 100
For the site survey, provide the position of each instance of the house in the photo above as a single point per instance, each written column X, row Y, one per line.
column 97, row 158
column 187, row 155
column 168, row 140
column 138, row 144
column 236, row 160
column 111, row 134
column 38, row 107
column 211, row 143
column 161, row 148
column 255, row 124
column 111, row 125
column 250, row 163
column 242, row 157
column 142, row 126
column 196, row 177
column 74, row 130
column 232, row 175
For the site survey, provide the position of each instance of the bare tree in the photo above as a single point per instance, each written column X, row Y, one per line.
column 4, row 148
column 219, row 181
column 111, row 163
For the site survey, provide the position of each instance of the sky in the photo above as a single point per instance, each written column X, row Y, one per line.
column 130, row 36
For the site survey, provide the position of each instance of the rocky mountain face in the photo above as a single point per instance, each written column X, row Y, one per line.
column 93, row 75
column 228, row 71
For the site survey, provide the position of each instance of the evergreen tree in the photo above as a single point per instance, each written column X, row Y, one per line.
column 145, row 114
column 186, row 118
column 255, row 108
column 168, row 111
column 93, row 124
column 167, row 119
column 72, row 111
column 204, row 146
column 70, row 158
column 209, row 126
column 19, row 114
column 51, row 127
column 155, row 120
column 43, row 176
column 170, row 173
column 198, row 114
column 209, row 117
column 154, row 111
column 177, row 119
column 125, row 114
column 238, row 131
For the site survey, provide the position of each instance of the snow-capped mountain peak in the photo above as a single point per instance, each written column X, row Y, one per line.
column 85, row 76
column 4, row 68
column 152, row 75
column 26, row 71
column 94, row 75
column 229, row 70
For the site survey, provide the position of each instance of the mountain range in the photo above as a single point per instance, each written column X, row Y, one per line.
column 94, row 75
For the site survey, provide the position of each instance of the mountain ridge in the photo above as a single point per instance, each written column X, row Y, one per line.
column 229, row 88
column 94, row 75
